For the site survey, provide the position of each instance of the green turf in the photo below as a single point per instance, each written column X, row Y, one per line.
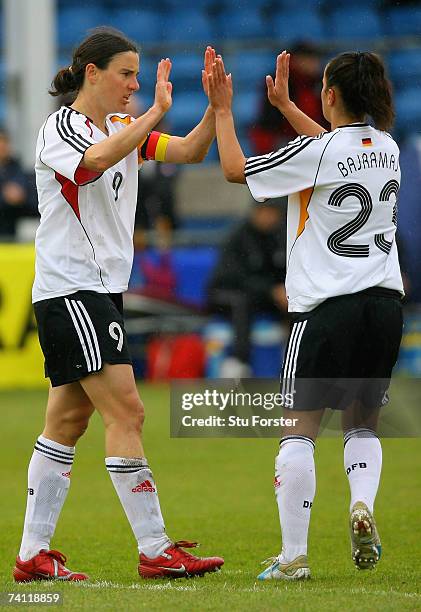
column 219, row 492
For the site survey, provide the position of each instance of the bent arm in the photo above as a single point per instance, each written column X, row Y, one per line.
column 193, row 148
column 230, row 152
column 302, row 123
column 103, row 155
column 278, row 95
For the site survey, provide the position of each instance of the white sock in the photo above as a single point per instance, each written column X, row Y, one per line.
column 295, row 486
column 363, row 465
column 48, row 485
column 138, row 494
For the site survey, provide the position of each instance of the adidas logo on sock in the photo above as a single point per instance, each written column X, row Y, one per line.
column 143, row 487
column 67, row 474
column 277, row 482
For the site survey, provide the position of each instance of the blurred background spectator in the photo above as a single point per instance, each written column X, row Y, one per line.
column 249, row 279
column 15, row 201
column 271, row 131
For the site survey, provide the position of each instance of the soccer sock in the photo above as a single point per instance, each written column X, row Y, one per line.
column 48, row 485
column 363, row 464
column 137, row 491
column 295, row 486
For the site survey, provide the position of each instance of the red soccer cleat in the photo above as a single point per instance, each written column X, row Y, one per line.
column 46, row 565
column 177, row 563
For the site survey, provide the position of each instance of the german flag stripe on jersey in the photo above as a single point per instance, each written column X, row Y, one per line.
column 367, row 142
column 155, row 146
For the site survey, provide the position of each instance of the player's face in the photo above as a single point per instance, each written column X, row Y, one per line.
column 119, row 81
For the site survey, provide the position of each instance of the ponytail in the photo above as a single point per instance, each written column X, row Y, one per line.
column 64, row 82
column 363, row 85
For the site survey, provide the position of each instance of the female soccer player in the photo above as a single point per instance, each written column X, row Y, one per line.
column 86, row 169
column 343, row 283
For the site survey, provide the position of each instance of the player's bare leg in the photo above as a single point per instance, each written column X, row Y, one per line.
column 68, row 413
column 362, row 463
column 114, row 394
column 295, row 486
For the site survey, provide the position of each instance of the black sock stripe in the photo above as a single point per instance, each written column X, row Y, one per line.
column 56, row 450
column 114, row 471
column 126, row 467
column 53, row 457
column 302, row 438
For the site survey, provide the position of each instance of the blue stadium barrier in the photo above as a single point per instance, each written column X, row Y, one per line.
column 293, row 26
column 403, row 20
column 73, row 23
column 405, row 67
column 242, row 24
column 354, row 23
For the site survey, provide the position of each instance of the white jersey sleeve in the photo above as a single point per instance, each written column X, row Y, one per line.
column 288, row 170
column 67, row 135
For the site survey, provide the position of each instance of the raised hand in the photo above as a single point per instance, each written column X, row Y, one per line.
column 210, row 56
column 220, row 86
column 163, row 88
column 278, row 93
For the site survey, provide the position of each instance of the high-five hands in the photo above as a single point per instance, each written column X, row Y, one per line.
column 163, row 88
column 278, row 93
column 219, row 87
column 210, row 56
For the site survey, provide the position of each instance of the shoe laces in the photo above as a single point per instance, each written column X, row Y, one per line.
column 270, row 561
column 186, row 544
column 57, row 555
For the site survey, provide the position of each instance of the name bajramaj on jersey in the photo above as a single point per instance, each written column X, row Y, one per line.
column 366, row 161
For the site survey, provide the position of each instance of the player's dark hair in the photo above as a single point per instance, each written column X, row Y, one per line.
column 99, row 48
column 363, row 85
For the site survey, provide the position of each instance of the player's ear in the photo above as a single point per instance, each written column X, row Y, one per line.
column 91, row 73
column 331, row 96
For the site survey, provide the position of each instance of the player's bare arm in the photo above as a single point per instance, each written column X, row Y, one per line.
column 103, row 155
column 278, row 96
column 194, row 147
column 220, row 97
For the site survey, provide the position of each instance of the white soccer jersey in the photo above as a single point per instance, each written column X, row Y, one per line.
column 85, row 238
column 342, row 189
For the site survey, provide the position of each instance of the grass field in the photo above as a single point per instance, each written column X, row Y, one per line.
column 220, row 493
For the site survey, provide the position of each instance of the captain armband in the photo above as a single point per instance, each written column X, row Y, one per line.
column 155, row 146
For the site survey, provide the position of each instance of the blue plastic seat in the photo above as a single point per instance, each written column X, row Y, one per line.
column 73, row 23
column 249, row 69
column 354, row 23
column 242, row 24
column 246, row 107
column 405, row 67
column 186, row 111
column 140, row 25
column 186, row 73
column 293, row 26
column 330, row 5
column 403, row 20
column 192, row 26
column 408, row 110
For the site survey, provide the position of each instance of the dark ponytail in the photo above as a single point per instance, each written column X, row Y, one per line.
column 363, row 85
column 99, row 48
